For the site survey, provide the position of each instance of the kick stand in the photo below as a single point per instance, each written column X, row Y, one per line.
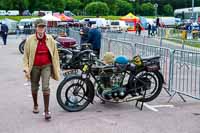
column 141, row 101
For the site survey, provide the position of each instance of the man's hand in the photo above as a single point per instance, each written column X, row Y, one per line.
column 27, row 74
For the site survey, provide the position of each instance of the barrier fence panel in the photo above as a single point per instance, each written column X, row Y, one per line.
column 117, row 47
column 146, row 50
column 75, row 34
column 185, row 73
column 105, row 43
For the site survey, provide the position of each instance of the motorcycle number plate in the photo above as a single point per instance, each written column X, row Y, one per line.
column 153, row 68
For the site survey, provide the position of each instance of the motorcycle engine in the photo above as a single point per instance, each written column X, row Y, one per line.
column 65, row 58
column 112, row 87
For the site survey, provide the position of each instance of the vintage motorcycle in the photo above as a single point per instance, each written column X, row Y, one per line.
column 66, row 42
column 72, row 58
column 124, row 81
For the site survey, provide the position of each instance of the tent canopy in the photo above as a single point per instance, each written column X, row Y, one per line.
column 62, row 17
column 49, row 17
column 129, row 17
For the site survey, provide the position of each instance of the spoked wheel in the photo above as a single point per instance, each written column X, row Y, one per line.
column 151, row 82
column 73, row 94
column 21, row 47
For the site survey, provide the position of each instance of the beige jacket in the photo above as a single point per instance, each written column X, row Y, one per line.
column 29, row 54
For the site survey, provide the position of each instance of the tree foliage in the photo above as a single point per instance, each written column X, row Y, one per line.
column 147, row 9
column 123, row 7
column 97, row 9
column 115, row 7
column 168, row 10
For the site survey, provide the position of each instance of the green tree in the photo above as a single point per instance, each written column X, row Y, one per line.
column 72, row 4
column 123, row 7
column 168, row 10
column 97, row 9
column 112, row 6
column 147, row 9
column 59, row 5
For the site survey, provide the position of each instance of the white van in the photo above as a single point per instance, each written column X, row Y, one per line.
column 168, row 21
column 2, row 12
column 119, row 26
column 12, row 13
column 100, row 22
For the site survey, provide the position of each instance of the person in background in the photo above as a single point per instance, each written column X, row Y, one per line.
column 94, row 37
column 41, row 60
column 138, row 28
column 67, row 30
column 4, row 33
column 84, row 34
column 153, row 29
column 17, row 31
column 149, row 29
column 157, row 22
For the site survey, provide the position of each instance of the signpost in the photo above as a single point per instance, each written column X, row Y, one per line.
column 156, row 7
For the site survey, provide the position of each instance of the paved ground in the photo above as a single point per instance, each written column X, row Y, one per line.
column 16, row 106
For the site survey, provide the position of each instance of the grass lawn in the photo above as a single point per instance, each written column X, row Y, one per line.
column 18, row 18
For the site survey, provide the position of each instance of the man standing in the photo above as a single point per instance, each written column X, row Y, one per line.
column 138, row 28
column 149, row 29
column 4, row 33
column 41, row 61
column 84, row 34
column 94, row 37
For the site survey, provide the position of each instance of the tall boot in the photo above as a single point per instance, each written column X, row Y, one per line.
column 46, row 105
column 35, row 106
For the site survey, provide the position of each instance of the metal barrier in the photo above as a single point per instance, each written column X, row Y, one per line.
column 28, row 31
column 75, row 34
column 185, row 71
column 117, row 47
column 165, row 53
column 160, row 40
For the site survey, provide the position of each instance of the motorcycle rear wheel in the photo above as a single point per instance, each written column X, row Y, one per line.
column 154, row 89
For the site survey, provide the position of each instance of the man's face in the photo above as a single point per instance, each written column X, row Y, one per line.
column 40, row 29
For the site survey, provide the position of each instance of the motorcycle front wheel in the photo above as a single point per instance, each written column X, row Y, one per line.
column 73, row 94
column 21, row 47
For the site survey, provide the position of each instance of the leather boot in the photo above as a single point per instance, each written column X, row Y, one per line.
column 35, row 106
column 46, row 105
